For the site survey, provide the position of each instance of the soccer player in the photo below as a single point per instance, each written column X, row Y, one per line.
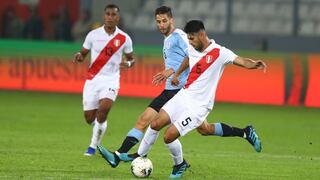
column 164, row 22
column 107, row 45
column 174, row 51
column 188, row 109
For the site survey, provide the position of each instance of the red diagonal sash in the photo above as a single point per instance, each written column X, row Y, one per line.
column 113, row 45
column 202, row 65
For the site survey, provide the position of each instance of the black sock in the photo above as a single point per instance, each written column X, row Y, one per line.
column 127, row 144
column 231, row 131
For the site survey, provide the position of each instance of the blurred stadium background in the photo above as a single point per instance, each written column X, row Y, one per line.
column 39, row 37
column 287, row 31
column 276, row 25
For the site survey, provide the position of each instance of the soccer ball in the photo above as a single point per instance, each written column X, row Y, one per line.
column 141, row 167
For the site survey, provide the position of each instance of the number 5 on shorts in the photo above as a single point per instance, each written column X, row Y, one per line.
column 186, row 121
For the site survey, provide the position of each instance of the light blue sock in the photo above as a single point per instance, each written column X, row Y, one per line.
column 218, row 129
column 135, row 133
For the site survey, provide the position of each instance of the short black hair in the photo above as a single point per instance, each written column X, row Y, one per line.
column 193, row 26
column 112, row 6
column 163, row 10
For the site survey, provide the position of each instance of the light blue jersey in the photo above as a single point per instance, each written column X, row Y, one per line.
column 175, row 49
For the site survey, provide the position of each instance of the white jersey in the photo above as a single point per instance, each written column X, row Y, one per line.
column 206, row 69
column 106, row 54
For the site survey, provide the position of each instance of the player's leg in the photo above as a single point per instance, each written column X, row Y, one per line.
column 90, row 102
column 170, row 138
column 219, row 129
column 183, row 121
column 100, row 125
column 132, row 138
column 149, row 138
column 152, row 133
column 173, row 144
column 161, row 120
column 105, row 96
column 136, row 133
column 90, row 107
column 90, row 117
column 225, row 130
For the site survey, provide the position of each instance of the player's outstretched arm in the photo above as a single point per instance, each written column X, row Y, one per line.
column 250, row 64
column 184, row 65
column 79, row 56
column 129, row 62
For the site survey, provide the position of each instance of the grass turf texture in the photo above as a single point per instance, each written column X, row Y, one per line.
column 44, row 136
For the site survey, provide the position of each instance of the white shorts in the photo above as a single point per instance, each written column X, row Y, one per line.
column 183, row 114
column 93, row 91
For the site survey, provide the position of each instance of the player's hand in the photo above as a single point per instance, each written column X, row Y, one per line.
column 175, row 81
column 261, row 65
column 78, row 58
column 127, row 64
column 162, row 76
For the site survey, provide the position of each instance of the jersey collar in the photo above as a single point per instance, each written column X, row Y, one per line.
column 210, row 47
column 113, row 34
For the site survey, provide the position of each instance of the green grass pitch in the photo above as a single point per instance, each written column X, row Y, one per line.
column 44, row 136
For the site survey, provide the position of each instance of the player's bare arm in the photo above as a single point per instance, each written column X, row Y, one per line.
column 162, row 76
column 250, row 64
column 79, row 56
column 184, row 65
column 128, row 62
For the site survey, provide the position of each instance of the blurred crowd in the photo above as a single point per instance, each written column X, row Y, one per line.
column 61, row 28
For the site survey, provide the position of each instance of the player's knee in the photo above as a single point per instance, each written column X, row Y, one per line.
column 155, row 125
column 167, row 138
column 102, row 113
column 142, row 122
column 202, row 131
column 89, row 118
column 103, row 110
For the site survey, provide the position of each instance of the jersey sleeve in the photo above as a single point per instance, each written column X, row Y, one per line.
column 87, row 44
column 128, row 45
column 227, row 55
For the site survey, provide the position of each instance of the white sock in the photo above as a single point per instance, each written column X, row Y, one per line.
column 175, row 148
column 97, row 133
column 148, row 140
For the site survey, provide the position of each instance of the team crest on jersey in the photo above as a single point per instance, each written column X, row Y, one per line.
column 208, row 59
column 116, row 42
